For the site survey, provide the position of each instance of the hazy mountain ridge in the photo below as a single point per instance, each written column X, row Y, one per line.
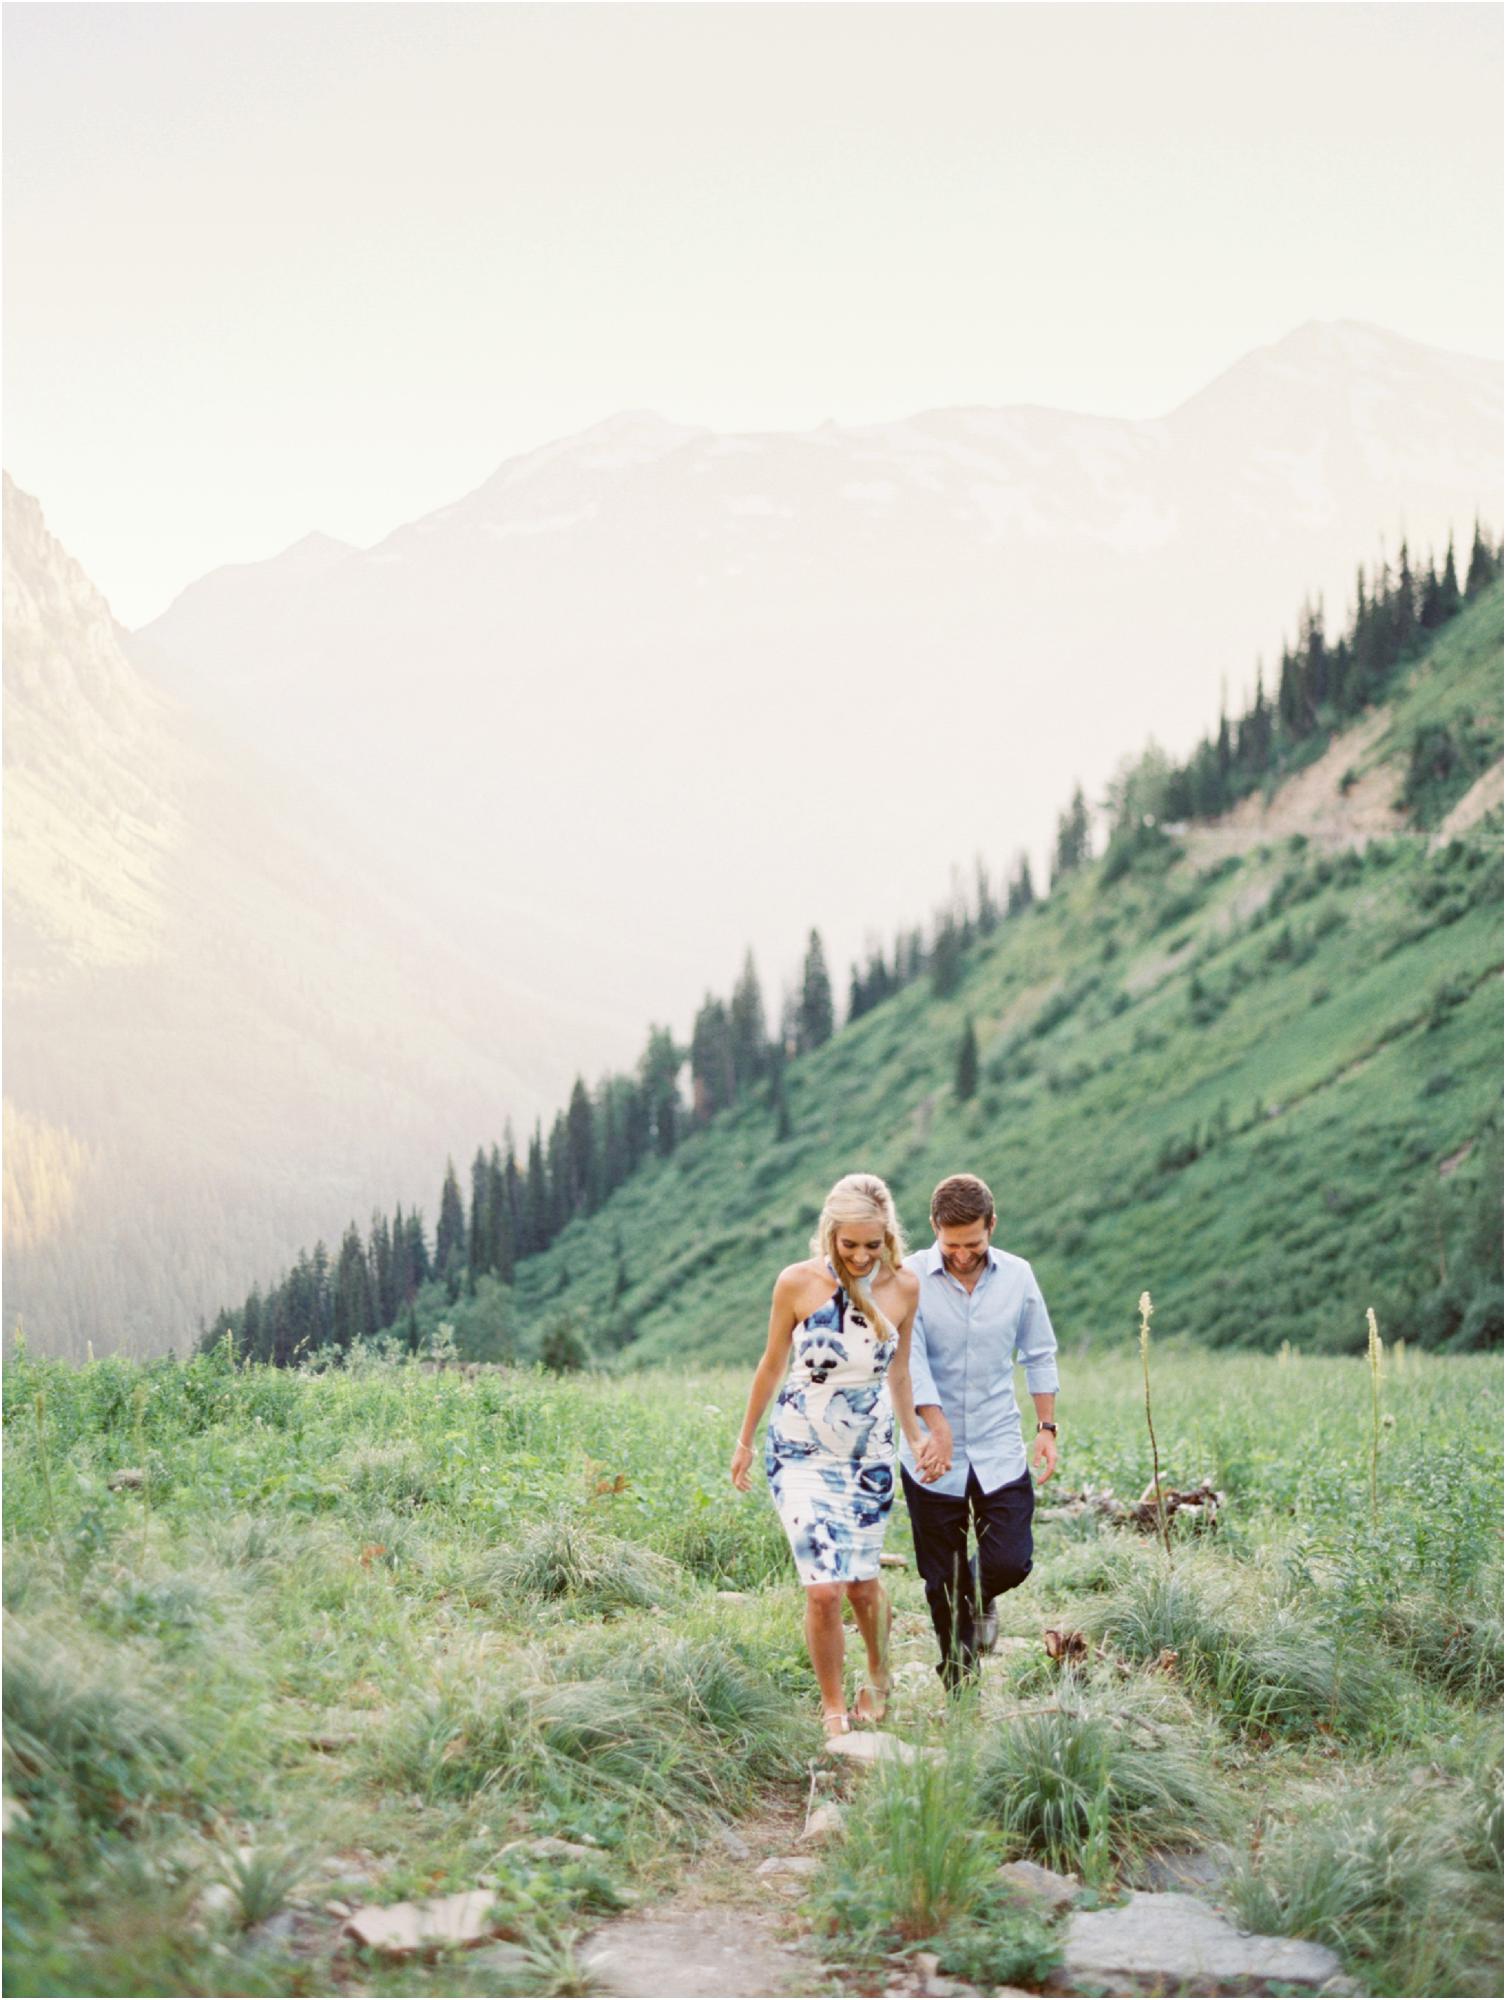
column 226, row 1020
column 656, row 642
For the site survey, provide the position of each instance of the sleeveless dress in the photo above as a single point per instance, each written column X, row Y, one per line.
column 829, row 1449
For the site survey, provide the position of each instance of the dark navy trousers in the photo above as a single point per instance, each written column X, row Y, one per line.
column 956, row 1587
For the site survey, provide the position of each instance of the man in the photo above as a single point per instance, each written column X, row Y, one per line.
column 979, row 1309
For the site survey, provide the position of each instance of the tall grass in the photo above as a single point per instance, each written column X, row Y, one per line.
column 1099, row 1779
column 1393, row 1893
column 562, row 1558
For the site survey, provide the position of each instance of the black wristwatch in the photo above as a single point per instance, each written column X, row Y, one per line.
column 1043, row 1425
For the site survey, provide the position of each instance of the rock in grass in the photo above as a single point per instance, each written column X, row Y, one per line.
column 401, row 1928
column 1175, row 1943
column 1040, row 1888
column 788, row 1864
column 734, row 1843
column 547, row 1847
column 824, row 1822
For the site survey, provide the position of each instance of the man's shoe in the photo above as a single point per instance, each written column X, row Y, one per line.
column 987, row 1636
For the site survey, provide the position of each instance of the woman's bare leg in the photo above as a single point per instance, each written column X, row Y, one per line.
column 870, row 1606
column 823, row 1636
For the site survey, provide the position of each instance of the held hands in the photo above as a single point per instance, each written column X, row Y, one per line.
column 742, row 1466
column 933, row 1455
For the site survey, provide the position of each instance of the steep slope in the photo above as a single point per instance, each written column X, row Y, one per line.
column 1229, row 1080
column 637, row 673
column 226, row 1022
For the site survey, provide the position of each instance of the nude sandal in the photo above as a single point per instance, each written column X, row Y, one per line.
column 879, row 1694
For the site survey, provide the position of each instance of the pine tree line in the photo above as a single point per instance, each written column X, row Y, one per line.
column 1320, row 685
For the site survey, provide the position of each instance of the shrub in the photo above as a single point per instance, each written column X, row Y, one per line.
column 911, row 1862
column 84, row 1733
column 561, row 1559
column 1091, row 1785
column 1391, row 1892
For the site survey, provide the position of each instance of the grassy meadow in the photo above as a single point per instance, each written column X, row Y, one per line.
column 351, row 1634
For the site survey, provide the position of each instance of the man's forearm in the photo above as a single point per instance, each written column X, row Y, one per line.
column 932, row 1416
column 1045, row 1405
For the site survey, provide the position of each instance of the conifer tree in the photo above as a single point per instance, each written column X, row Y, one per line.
column 712, row 1080
column 581, row 1159
column 1021, row 892
column 500, row 1250
column 252, row 1343
column 659, row 1071
column 404, row 1283
column 946, row 957
column 815, row 1019
column 418, row 1249
column 557, row 1170
column 479, row 1241
column 1430, row 613
column 536, row 1229
column 1403, row 607
column 352, row 1303
column 381, row 1269
column 774, row 1069
column 449, row 1237
column 1073, row 845
column 967, row 1061
column 1449, row 598
column 987, row 907
column 1481, row 571
column 750, row 1033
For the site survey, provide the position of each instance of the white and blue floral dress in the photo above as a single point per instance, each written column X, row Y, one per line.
column 829, row 1451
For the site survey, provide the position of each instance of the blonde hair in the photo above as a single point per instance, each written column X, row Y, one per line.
column 856, row 1199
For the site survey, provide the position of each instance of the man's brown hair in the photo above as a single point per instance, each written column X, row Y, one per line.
column 960, row 1199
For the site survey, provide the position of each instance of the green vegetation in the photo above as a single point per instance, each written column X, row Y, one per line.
column 1151, row 992
column 381, row 1621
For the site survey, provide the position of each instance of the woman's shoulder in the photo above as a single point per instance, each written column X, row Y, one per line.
column 794, row 1281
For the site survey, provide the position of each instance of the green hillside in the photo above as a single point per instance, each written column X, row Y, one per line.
column 1244, row 1086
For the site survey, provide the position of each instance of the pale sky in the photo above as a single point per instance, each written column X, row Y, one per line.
column 271, row 268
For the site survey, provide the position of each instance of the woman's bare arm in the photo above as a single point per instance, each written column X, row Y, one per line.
column 769, row 1373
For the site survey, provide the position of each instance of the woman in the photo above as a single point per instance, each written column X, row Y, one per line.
column 839, row 1337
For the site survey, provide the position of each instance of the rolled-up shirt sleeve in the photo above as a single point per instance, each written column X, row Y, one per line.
column 1034, row 1345
column 922, row 1382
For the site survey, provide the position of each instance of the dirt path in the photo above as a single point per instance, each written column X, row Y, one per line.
column 726, row 1931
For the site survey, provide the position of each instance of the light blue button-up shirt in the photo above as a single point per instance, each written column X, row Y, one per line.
column 962, row 1355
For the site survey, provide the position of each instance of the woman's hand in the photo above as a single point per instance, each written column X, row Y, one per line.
column 742, row 1466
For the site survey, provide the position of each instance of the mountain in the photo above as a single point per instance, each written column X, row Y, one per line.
column 228, row 1020
column 1258, row 1074
column 651, row 694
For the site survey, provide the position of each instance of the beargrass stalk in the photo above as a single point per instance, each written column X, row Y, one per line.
column 1155, row 1457
column 1375, row 1355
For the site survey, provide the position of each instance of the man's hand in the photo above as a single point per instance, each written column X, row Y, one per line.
column 935, row 1454
column 1044, row 1455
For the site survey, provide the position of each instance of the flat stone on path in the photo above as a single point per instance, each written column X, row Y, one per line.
column 1171, row 1943
column 400, row 1928
column 726, row 1954
column 876, row 1746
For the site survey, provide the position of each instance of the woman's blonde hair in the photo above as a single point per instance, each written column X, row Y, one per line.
column 857, row 1199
